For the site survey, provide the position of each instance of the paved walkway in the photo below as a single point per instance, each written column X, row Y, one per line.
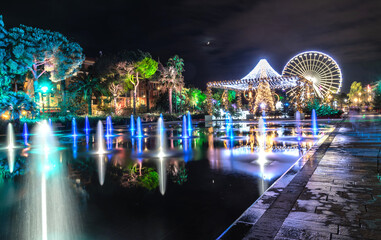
column 336, row 195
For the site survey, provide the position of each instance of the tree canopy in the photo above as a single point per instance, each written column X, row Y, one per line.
column 42, row 51
column 355, row 92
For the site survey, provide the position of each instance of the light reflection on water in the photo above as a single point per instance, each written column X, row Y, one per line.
column 203, row 161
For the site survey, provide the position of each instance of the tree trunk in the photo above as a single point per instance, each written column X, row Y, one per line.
column 115, row 104
column 135, row 87
column 170, row 100
column 63, row 89
column 134, row 101
column 147, row 95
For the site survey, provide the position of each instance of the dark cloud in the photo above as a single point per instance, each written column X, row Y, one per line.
column 239, row 32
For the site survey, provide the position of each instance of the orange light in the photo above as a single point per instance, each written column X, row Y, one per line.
column 5, row 116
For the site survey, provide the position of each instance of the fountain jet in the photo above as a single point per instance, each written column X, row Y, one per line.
column 108, row 127
column 87, row 125
column 139, row 130
column 49, row 210
column 161, row 138
column 132, row 123
column 101, row 151
column 11, row 146
column 25, row 134
column 298, row 129
column 189, row 122
column 185, row 131
column 74, row 127
column 314, row 123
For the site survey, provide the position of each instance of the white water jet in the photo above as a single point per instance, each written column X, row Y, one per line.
column 298, row 129
column 11, row 145
column 101, row 151
column 49, row 209
column 161, row 138
column 261, row 141
column 162, row 170
column 262, row 134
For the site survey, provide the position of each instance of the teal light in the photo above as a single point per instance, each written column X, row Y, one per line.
column 44, row 89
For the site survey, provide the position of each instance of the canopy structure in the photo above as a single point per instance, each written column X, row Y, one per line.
column 261, row 72
column 263, row 76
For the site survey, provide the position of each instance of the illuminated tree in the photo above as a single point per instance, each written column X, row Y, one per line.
column 171, row 77
column 195, row 98
column 301, row 94
column 87, row 84
column 377, row 96
column 131, row 72
column 147, row 68
column 355, row 93
column 15, row 102
column 5, row 79
column 264, row 96
column 43, row 52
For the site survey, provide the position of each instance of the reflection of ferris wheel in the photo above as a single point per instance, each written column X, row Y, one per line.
column 318, row 68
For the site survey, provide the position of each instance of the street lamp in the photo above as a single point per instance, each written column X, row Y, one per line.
column 45, row 89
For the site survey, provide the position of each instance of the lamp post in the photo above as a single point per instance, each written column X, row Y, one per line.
column 45, row 89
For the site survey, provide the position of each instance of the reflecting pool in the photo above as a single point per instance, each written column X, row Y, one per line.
column 161, row 185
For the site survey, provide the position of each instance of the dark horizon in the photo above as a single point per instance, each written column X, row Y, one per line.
column 218, row 40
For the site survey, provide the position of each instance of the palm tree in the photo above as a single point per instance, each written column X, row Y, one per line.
column 87, row 84
column 171, row 80
column 115, row 89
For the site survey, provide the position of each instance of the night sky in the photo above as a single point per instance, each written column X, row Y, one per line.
column 239, row 32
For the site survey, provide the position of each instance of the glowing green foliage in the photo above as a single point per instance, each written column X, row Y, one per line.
column 377, row 96
column 146, row 67
column 150, row 179
column 322, row 110
column 355, row 92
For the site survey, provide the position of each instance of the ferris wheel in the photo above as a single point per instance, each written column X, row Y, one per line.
column 317, row 67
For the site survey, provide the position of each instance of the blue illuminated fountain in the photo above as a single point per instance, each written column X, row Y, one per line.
column 139, row 146
column 132, row 123
column 74, row 127
column 50, row 122
column 87, row 125
column 190, row 128
column 108, row 127
column 185, row 130
column 139, row 130
column 230, row 132
column 314, row 123
column 25, row 134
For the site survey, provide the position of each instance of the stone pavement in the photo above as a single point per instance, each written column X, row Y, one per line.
column 336, row 195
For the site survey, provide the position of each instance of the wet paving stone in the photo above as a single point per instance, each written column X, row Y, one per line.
column 336, row 195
